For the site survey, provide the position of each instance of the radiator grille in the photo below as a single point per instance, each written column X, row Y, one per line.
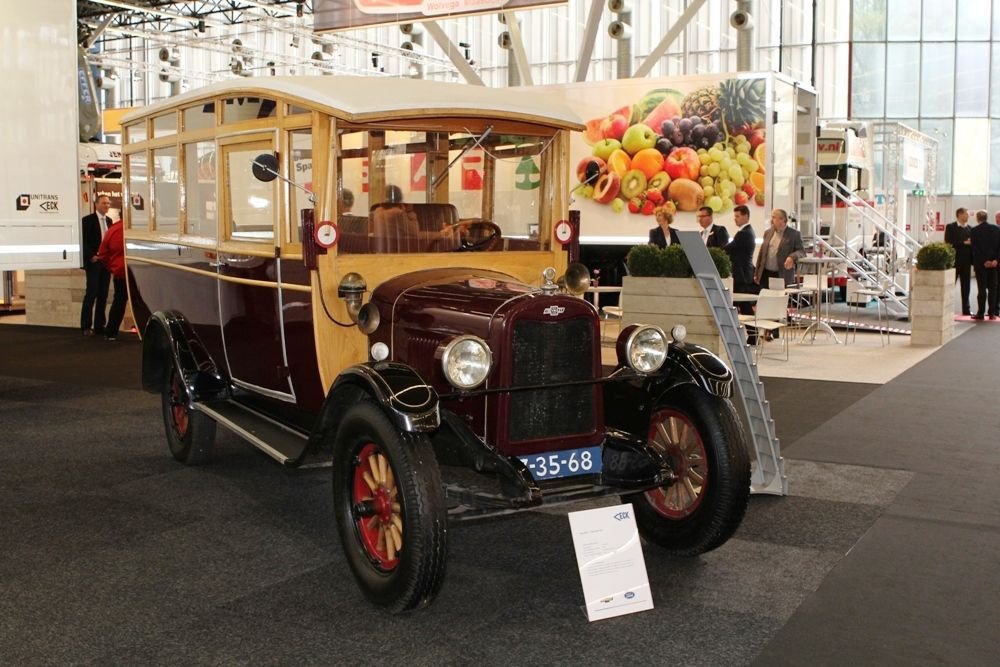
column 552, row 353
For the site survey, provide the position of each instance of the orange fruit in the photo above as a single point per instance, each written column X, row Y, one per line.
column 760, row 154
column 649, row 161
column 757, row 180
column 619, row 162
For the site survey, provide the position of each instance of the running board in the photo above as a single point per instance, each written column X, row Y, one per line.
column 284, row 445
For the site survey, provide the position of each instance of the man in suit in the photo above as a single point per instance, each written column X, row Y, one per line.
column 985, row 258
column 959, row 235
column 663, row 234
column 713, row 236
column 782, row 247
column 95, row 299
column 740, row 251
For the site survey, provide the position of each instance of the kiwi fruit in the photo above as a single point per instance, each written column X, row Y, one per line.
column 633, row 183
column 659, row 181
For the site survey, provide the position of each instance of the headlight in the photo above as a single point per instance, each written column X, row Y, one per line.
column 466, row 362
column 646, row 349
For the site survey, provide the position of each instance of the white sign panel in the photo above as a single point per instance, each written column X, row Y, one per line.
column 609, row 555
column 39, row 187
column 914, row 161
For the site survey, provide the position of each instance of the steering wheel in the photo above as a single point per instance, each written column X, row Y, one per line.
column 477, row 235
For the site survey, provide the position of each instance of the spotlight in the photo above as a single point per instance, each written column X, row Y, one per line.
column 620, row 30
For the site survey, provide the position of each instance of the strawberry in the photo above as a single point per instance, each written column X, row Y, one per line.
column 647, row 207
column 635, row 204
column 654, row 196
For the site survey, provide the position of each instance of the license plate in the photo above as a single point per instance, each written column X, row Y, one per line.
column 565, row 463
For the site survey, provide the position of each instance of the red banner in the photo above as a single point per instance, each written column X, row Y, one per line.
column 346, row 14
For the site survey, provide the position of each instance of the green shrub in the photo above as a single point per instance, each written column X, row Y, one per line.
column 644, row 260
column 723, row 264
column 650, row 261
column 936, row 257
column 675, row 262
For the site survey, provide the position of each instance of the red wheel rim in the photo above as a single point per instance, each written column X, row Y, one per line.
column 376, row 506
column 178, row 406
column 677, row 438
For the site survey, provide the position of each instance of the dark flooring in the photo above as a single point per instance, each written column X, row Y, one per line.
column 885, row 552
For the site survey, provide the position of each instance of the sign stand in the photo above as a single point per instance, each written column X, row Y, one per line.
column 609, row 555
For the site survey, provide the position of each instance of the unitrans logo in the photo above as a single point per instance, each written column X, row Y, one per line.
column 622, row 516
column 554, row 311
column 46, row 203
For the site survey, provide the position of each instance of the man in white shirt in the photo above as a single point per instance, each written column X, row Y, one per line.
column 712, row 235
column 95, row 299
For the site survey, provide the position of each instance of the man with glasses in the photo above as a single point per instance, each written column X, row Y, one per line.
column 712, row 235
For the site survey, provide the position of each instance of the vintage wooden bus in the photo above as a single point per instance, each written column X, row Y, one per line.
column 369, row 270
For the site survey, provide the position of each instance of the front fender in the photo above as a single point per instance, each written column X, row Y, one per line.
column 170, row 342
column 630, row 399
column 409, row 401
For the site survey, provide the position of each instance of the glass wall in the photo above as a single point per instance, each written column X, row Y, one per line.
column 935, row 65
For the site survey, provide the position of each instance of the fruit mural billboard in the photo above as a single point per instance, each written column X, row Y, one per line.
column 679, row 143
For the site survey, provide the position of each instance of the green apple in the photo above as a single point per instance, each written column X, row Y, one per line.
column 638, row 137
column 605, row 147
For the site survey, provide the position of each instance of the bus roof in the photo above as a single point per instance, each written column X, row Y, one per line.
column 378, row 98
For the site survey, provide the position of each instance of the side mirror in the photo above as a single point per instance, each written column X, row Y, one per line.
column 265, row 167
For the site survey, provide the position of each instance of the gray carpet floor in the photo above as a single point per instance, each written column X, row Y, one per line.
column 111, row 553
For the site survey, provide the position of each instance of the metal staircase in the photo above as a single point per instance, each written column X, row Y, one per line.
column 865, row 271
column 768, row 467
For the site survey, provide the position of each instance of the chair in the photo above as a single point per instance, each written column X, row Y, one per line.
column 612, row 312
column 770, row 316
column 878, row 293
column 775, row 283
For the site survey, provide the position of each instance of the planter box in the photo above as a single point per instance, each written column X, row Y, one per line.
column 665, row 302
column 932, row 307
column 55, row 297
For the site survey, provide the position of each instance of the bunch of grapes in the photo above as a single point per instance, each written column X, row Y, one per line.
column 693, row 132
column 725, row 173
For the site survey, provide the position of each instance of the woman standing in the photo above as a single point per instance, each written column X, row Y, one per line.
column 112, row 255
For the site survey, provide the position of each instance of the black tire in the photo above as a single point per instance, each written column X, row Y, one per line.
column 397, row 551
column 190, row 434
column 703, row 438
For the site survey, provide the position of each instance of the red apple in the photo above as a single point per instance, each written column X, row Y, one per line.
column 682, row 162
column 607, row 187
column 590, row 168
column 741, row 198
column 614, row 126
column 748, row 188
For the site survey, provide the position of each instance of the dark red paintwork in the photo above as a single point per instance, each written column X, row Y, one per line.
column 423, row 310
column 250, row 319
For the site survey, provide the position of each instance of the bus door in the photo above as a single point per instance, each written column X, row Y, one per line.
column 249, row 284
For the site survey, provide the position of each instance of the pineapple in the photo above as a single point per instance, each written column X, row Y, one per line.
column 703, row 102
column 742, row 102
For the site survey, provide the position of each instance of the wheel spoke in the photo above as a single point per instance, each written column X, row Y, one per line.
column 372, row 523
column 692, row 492
column 397, row 537
column 380, row 544
column 396, row 508
column 390, row 545
column 369, row 480
column 397, row 523
column 373, row 465
column 695, row 474
column 390, row 482
column 383, row 465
